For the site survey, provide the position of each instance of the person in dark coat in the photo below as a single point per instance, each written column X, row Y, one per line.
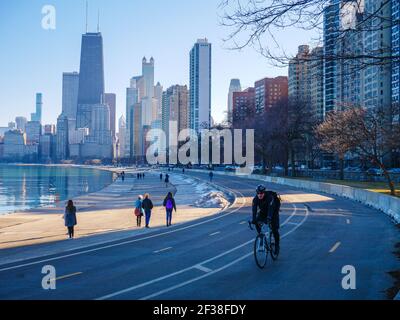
column 147, row 205
column 170, row 206
column 70, row 218
column 167, row 181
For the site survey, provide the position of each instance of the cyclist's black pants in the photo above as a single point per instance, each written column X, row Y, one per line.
column 274, row 227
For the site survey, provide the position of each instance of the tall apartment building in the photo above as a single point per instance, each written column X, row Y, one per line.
column 200, row 85
column 244, row 104
column 234, row 86
column 396, row 59
column 299, row 76
column 175, row 108
column 269, row 91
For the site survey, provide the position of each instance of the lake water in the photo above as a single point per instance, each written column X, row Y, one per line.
column 27, row 187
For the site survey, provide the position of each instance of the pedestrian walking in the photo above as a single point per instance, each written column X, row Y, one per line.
column 167, row 180
column 211, row 175
column 148, row 206
column 139, row 212
column 170, row 206
column 123, row 175
column 183, row 170
column 70, row 218
column 161, row 177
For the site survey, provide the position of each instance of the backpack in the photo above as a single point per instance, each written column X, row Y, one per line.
column 169, row 204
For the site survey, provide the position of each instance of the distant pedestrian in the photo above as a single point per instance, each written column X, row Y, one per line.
column 211, row 175
column 167, row 180
column 139, row 213
column 138, row 176
column 70, row 218
column 161, row 177
column 143, row 176
column 170, row 206
column 183, row 170
column 147, row 205
column 123, row 175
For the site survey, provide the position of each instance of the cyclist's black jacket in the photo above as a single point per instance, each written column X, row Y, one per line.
column 266, row 208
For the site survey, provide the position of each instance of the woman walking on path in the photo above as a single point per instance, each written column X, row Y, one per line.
column 139, row 211
column 170, row 206
column 147, row 205
column 70, row 218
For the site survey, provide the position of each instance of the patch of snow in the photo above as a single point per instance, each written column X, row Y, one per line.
column 212, row 199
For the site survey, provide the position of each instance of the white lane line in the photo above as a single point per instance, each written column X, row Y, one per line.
column 112, row 295
column 293, row 223
column 217, row 270
column 163, row 250
column 202, row 268
column 335, row 247
column 348, row 221
column 131, row 241
column 215, row 233
column 243, row 222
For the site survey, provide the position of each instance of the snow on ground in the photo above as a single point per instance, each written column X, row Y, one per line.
column 209, row 196
column 212, row 199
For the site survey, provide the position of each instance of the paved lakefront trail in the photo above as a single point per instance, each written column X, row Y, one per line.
column 212, row 258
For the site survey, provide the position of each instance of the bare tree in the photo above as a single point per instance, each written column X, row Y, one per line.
column 370, row 134
column 258, row 23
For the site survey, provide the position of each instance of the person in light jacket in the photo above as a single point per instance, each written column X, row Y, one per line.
column 70, row 218
column 139, row 211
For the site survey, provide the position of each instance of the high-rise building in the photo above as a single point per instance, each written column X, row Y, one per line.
column 14, row 145
column 396, row 61
column 110, row 99
column 132, row 99
column 49, row 129
column 331, row 33
column 121, row 137
column 148, row 77
column 235, row 86
column 269, row 91
column 70, row 88
column 299, row 76
column 244, row 104
column 158, row 93
column 99, row 143
column 91, row 77
column 62, row 140
column 175, row 108
column 316, row 74
column 37, row 116
column 306, row 79
column 33, row 132
column 200, row 85
column 377, row 41
column 21, row 123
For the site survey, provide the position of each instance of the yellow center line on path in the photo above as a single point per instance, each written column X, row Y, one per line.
column 215, row 233
column 162, row 250
column 67, row 276
column 335, row 247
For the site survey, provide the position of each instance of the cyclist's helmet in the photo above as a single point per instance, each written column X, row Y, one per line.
column 261, row 189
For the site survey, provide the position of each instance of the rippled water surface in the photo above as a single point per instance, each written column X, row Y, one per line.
column 26, row 187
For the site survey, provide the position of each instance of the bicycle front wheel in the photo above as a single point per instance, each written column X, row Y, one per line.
column 260, row 251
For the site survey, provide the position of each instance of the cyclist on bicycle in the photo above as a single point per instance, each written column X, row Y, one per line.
column 266, row 207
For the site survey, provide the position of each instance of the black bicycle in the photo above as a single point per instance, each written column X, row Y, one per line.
column 264, row 245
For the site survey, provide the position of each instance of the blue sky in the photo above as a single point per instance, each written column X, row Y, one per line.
column 33, row 59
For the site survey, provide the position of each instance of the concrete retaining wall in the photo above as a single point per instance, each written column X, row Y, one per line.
column 387, row 204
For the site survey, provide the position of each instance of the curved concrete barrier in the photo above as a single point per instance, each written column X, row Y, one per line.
column 387, row 204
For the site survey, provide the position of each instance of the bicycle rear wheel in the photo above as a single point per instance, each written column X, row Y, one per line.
column 260, row 251
column 274, row 254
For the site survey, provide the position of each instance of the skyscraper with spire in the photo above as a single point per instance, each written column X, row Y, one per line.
column 91, row 80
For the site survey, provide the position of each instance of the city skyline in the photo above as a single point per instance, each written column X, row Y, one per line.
column 121, row 57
